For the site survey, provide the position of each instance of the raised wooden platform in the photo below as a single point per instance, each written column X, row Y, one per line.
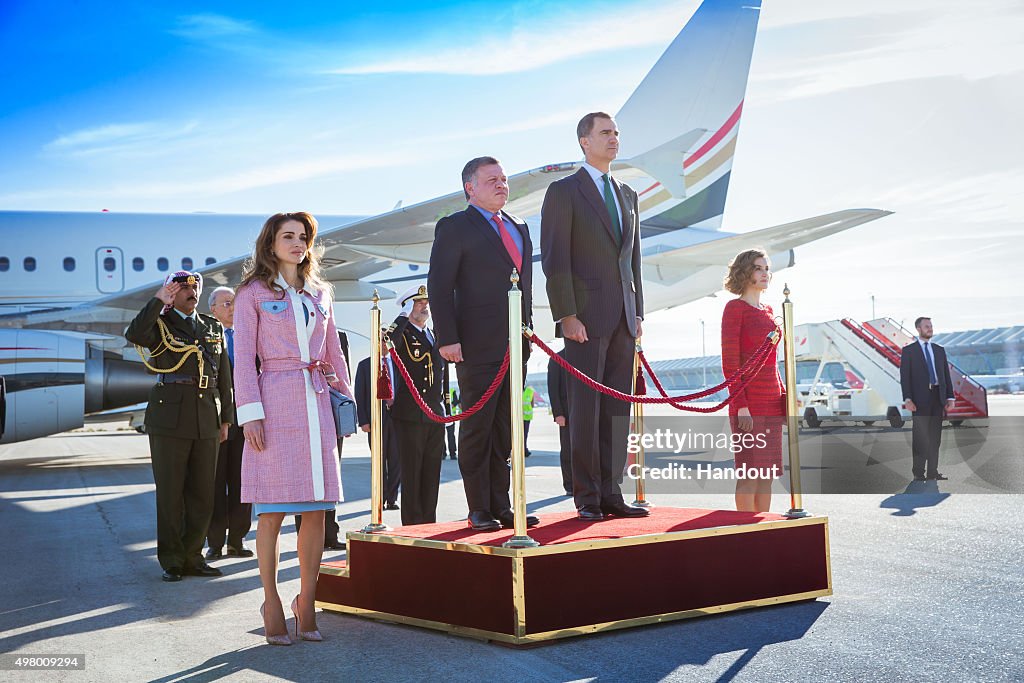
column 584, row 578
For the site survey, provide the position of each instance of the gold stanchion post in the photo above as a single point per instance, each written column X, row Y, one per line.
column 638, row 428
column 376, row 524
column 520, row 539
column 796, row 508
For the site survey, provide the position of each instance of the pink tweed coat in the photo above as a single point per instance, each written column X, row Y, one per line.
column 299, row 462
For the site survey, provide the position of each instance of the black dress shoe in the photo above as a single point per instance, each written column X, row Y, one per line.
column 622, row 510
column 334, row 544
column 508, row 519
column 172, row 574
column 938, row 477
column 215, row 553
column 236, row 551
column 589, row 513
column 483, row 521
column 391, row 506
column 202, row 569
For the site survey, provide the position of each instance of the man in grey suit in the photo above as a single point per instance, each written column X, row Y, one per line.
column 590, row 252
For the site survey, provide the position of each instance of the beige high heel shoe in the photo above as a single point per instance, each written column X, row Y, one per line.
column 314, row 635
column 280, row 639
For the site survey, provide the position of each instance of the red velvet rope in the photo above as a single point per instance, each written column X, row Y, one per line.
column 428, row 411
column 739, row 379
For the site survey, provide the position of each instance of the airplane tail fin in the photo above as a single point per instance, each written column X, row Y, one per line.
column 698, row 84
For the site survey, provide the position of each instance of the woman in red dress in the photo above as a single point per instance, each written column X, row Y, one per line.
column 756, row 412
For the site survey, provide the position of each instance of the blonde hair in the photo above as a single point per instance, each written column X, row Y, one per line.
column 741, row 270
column 263, row 265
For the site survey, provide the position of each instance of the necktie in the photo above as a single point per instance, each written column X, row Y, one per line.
column 506, row 239
column 931, row 363
column 230, row 332
column 613, row 212
column 193, row 326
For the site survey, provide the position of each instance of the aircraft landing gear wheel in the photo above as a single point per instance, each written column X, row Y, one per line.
column 811, row 418
column 896, row 420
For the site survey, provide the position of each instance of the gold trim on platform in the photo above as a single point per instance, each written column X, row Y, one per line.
column 597, row 544
column 577, row 631
column 519, row 596
column 334, row 571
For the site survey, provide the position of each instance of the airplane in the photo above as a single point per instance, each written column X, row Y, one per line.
column 70, row 282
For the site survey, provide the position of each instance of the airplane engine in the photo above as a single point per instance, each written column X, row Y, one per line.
column 52, row 379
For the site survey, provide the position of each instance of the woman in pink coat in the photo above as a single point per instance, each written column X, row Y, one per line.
column 284, row 326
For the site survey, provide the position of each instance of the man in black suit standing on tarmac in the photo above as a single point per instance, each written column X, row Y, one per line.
column 471, row 262
column 927, row 393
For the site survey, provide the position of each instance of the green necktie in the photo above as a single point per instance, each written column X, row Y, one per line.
column 609, row 202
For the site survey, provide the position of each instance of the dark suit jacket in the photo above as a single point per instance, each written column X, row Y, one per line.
column 558, row 389
column 588, row 274
column 362, row 390
column 469, row 281
column 914, row 375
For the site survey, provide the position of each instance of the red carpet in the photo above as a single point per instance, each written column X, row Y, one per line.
column 564, row 527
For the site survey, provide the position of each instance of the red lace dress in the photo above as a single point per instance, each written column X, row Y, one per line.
column 744, row 328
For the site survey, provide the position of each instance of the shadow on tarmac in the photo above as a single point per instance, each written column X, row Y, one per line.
column 918, row 494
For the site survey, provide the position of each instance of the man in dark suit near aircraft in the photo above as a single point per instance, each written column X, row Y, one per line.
column 590, row 251
column 927, row 393
column 471, row 262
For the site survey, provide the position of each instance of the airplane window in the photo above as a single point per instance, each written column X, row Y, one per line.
column 138, row 264
column 69, row 264
column 109, row 264
column 186, row 263
column 30, row 264
column 210, row 260
column 161, row 264
column 5, row 264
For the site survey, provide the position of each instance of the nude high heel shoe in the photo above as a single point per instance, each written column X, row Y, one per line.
column 280, row 639
column 313, row 636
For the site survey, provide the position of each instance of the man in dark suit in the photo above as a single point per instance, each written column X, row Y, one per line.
column 183, row 421
column 927, row 393
column 391, row 459
column 471, row 262
column 420, row 439
column 558, row 397
column 231, row 517
column 590, row 251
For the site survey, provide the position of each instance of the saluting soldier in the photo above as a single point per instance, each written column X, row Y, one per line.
column 420, row 440
column 183, row 420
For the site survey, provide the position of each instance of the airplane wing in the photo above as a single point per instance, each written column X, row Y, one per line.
column 669, row 264
column 352, row 252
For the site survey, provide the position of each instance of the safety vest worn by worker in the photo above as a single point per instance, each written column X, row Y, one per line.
column 528, row 394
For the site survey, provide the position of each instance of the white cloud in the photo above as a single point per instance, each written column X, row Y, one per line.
column 120, row 138
column 530, row 46
column 211, row 26
column 971, row 41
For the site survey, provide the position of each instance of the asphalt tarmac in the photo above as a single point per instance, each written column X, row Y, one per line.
column 928, row 586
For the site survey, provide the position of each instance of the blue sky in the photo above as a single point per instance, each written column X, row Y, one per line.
column 340, row 108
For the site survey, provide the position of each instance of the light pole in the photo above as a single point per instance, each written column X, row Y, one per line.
column 703, row 354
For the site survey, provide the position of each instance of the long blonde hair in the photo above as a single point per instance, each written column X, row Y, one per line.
column 263, row 265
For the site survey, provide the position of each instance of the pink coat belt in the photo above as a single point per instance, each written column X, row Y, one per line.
column 320, row 371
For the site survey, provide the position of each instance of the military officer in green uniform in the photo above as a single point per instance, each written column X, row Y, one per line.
column 184, row 422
